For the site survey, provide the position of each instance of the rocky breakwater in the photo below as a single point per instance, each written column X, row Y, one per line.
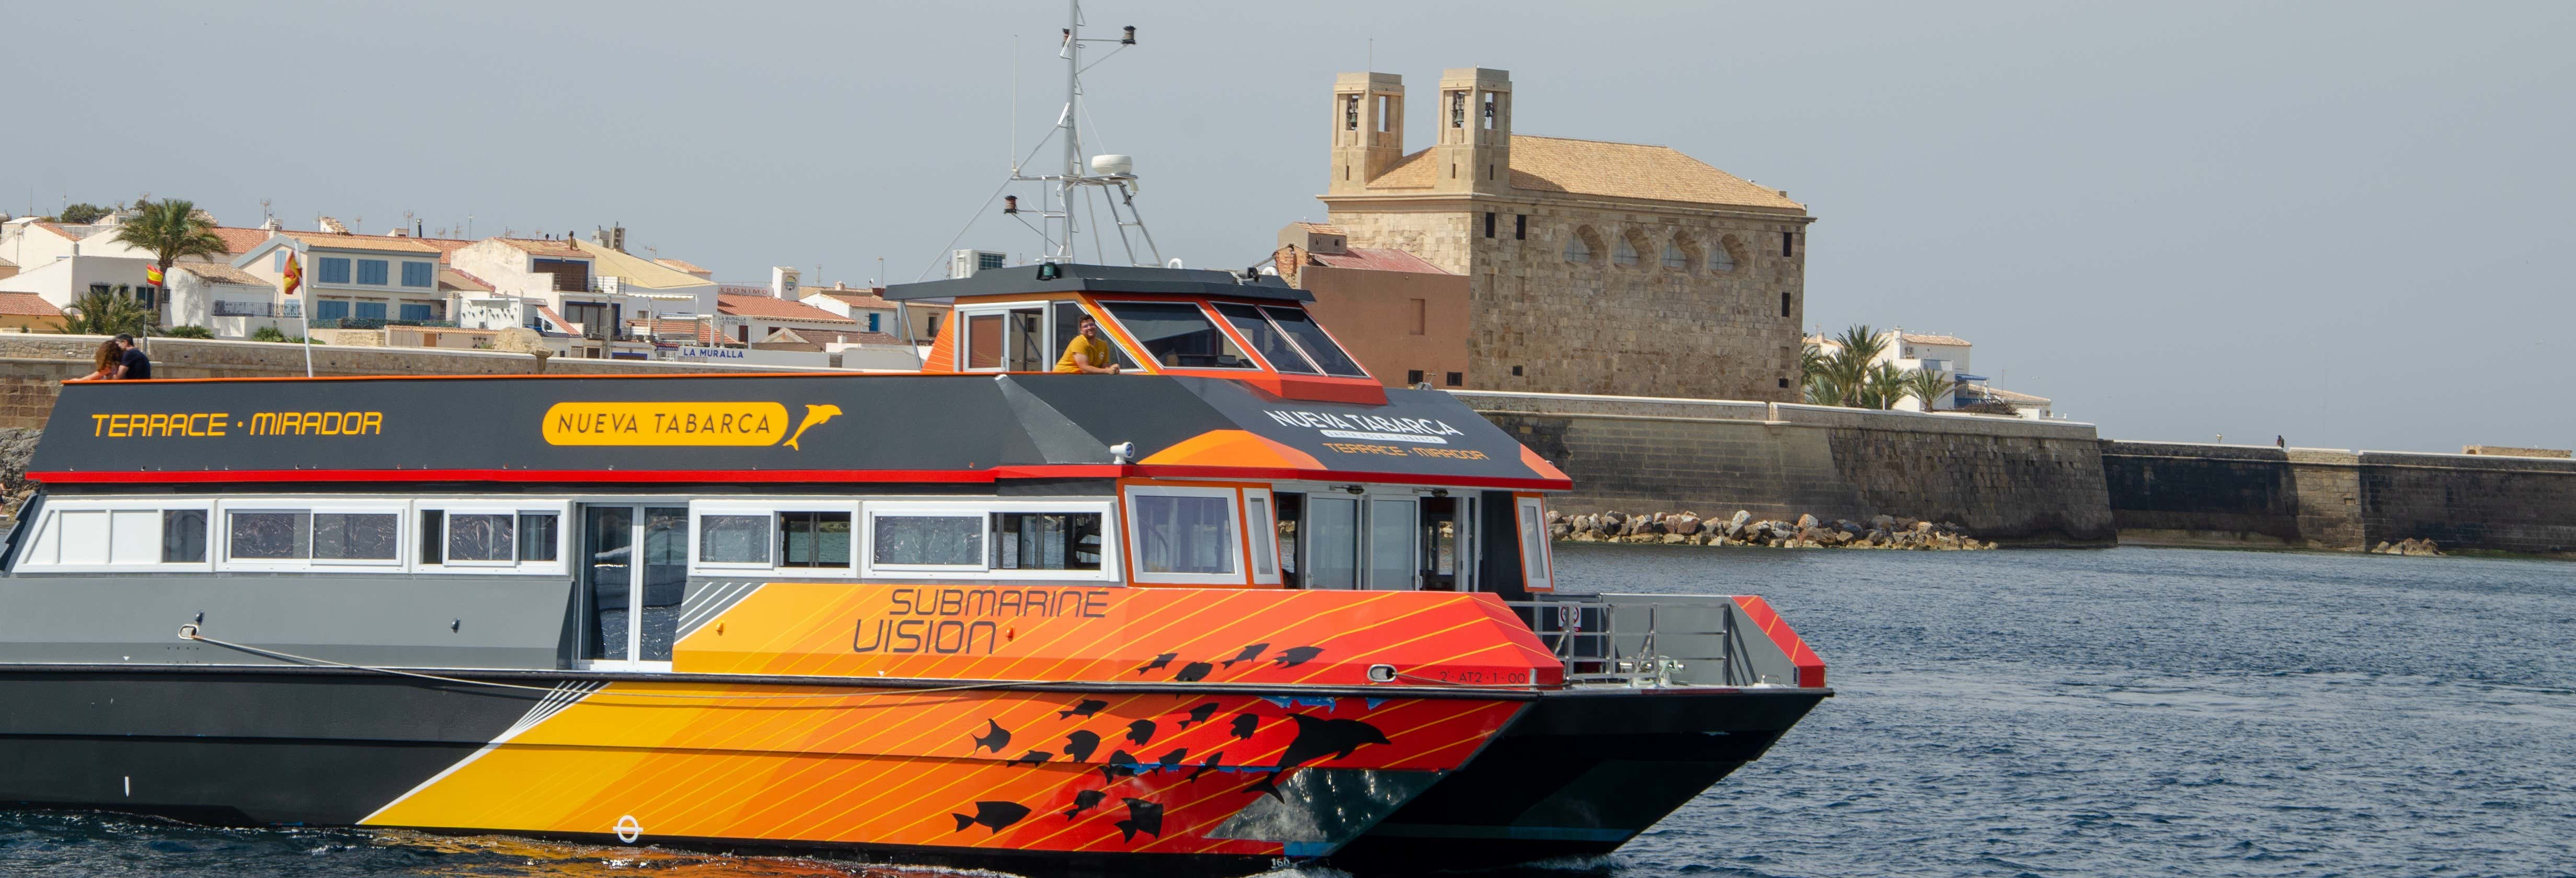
column 1688, row 529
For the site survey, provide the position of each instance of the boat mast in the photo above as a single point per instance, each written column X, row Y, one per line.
column 1112, row 175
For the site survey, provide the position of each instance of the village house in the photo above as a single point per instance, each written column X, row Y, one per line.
column 1402, row 318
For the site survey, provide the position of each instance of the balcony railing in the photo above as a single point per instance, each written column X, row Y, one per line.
column 258, row 309
column 379, row 323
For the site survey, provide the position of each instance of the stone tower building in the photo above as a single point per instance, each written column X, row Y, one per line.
column 1593, row 267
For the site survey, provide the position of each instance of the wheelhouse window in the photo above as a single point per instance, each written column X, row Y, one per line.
column 260, row 536
column 1184, row 534
column 1046, row 541
column 267, row 535
column 1005, row 339
column 1311, row 338
column 1536, row 574
column 1266, row 339
column 1178, row 335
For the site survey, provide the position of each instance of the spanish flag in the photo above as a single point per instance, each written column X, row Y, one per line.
column 152, row 274
column 294, row 273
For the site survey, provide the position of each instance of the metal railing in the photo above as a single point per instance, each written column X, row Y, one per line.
column 1687, row 640
column 379, row 323
column 258, row 309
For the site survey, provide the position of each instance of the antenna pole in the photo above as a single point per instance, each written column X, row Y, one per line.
column 1072, row 131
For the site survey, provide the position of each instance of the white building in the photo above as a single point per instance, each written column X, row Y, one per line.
column 1920, row 352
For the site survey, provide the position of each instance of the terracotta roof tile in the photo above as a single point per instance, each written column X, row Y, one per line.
column 1950, row 340
column 1613, row 170
column 2003, row 395
column 550, row 249
column 682, row 265
column 27, row 305
column 59, row 229
column 854, row 298
column 218, row 272
column 240, row 241
column 452, row 279
column 1375, row 259
column 781, row 309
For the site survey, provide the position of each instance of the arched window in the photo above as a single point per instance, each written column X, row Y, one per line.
column 1722, row 258
column 1625, row 253
column 1577, row 249
column 1680, row 254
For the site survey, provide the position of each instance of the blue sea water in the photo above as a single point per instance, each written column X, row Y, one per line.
column 2023, row 713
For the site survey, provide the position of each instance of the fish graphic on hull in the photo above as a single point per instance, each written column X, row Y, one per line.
column 1080, row 745
column 1297, row 655
column 1198, row 714
column 1083, row 801
column 1141, row 732
column 1087, row 707
column 1160, row 662
column 1249, row 654
column 1214, row 761
column 1142, row 816
column 992, row 815
column 1244, row 725
column 995, row 739
column 1316, row 739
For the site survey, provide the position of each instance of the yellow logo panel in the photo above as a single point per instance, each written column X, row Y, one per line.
column 667, row 423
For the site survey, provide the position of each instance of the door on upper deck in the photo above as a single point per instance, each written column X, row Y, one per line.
column 634, row 574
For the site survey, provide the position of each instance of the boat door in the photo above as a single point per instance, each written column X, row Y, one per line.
column 635, row 572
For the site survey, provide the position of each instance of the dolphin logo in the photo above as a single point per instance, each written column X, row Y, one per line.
column 814, row 414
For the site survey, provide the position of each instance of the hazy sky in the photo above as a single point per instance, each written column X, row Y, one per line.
column 2342, row 222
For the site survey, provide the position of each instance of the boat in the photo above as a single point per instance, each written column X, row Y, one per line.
column 1240, row 606
column 1231, row 611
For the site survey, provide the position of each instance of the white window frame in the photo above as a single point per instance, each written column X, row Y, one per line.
column 564, row 536
column 700, row 509
column 1242, row 558
column 1261, row 527
column 48, row 534
column 221, row 545
column 982, row 511
column 1531, row 512
column 1223, row 328
column 1046, row 332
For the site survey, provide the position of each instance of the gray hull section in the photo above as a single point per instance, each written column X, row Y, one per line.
column 400, row 620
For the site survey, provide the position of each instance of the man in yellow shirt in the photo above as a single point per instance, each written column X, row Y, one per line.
column 1088, row 352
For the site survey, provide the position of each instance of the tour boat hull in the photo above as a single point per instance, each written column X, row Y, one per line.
column 1367, row 783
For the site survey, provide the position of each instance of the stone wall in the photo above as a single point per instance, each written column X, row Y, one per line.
column 2014, row 481
column 33, row 367
column 2192, row 494
column 1598, row 327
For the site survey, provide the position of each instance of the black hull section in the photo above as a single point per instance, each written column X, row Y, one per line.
column 1578, row 775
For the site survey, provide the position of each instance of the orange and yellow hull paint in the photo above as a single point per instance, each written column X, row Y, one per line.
column 995, row 767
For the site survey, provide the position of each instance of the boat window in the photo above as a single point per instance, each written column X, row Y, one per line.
column 927, row 540
column 1263, row 532
column 1067, row 321
column 1046, row 541
column 115, row 535
column 355, row 536
column 1332, row 541
column 488, row 537
column 1184, row 534
column 269, row 535
column 734, row 540
column 1534, row 547
column 1272, row 344
column 1312, row 339
column 482, row 538
column 814, row 539
column 1007, row 339
column 1178, row 335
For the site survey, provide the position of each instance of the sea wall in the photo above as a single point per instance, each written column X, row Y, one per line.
column 33, row 367
column 2013, row 481
column 2312, row 498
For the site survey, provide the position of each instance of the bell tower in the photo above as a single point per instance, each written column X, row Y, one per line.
column 1368, row 128
column 1474, row 150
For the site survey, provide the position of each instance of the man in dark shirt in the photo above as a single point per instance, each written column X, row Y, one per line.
column 135, row 366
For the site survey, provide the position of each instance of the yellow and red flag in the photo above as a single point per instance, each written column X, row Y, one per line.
column 294, row 273
column 152, row 274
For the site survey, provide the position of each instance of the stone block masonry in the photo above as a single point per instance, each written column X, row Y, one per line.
column 2229, row 495
column 2013, row 481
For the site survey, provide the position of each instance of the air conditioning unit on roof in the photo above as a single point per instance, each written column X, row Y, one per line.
column 965, row 263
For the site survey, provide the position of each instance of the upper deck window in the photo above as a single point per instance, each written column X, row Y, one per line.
column 142, row 534
column 1178, row 335
column 1267, row 339
column 1003, row 539
column 1311, row 339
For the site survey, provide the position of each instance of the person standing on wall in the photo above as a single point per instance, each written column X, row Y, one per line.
column 133, row 365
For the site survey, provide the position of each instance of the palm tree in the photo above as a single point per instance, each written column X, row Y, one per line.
column 1928, row 385
column 105, row 313
column 1882, row 386
column 171, row 229
column 1840, row 378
